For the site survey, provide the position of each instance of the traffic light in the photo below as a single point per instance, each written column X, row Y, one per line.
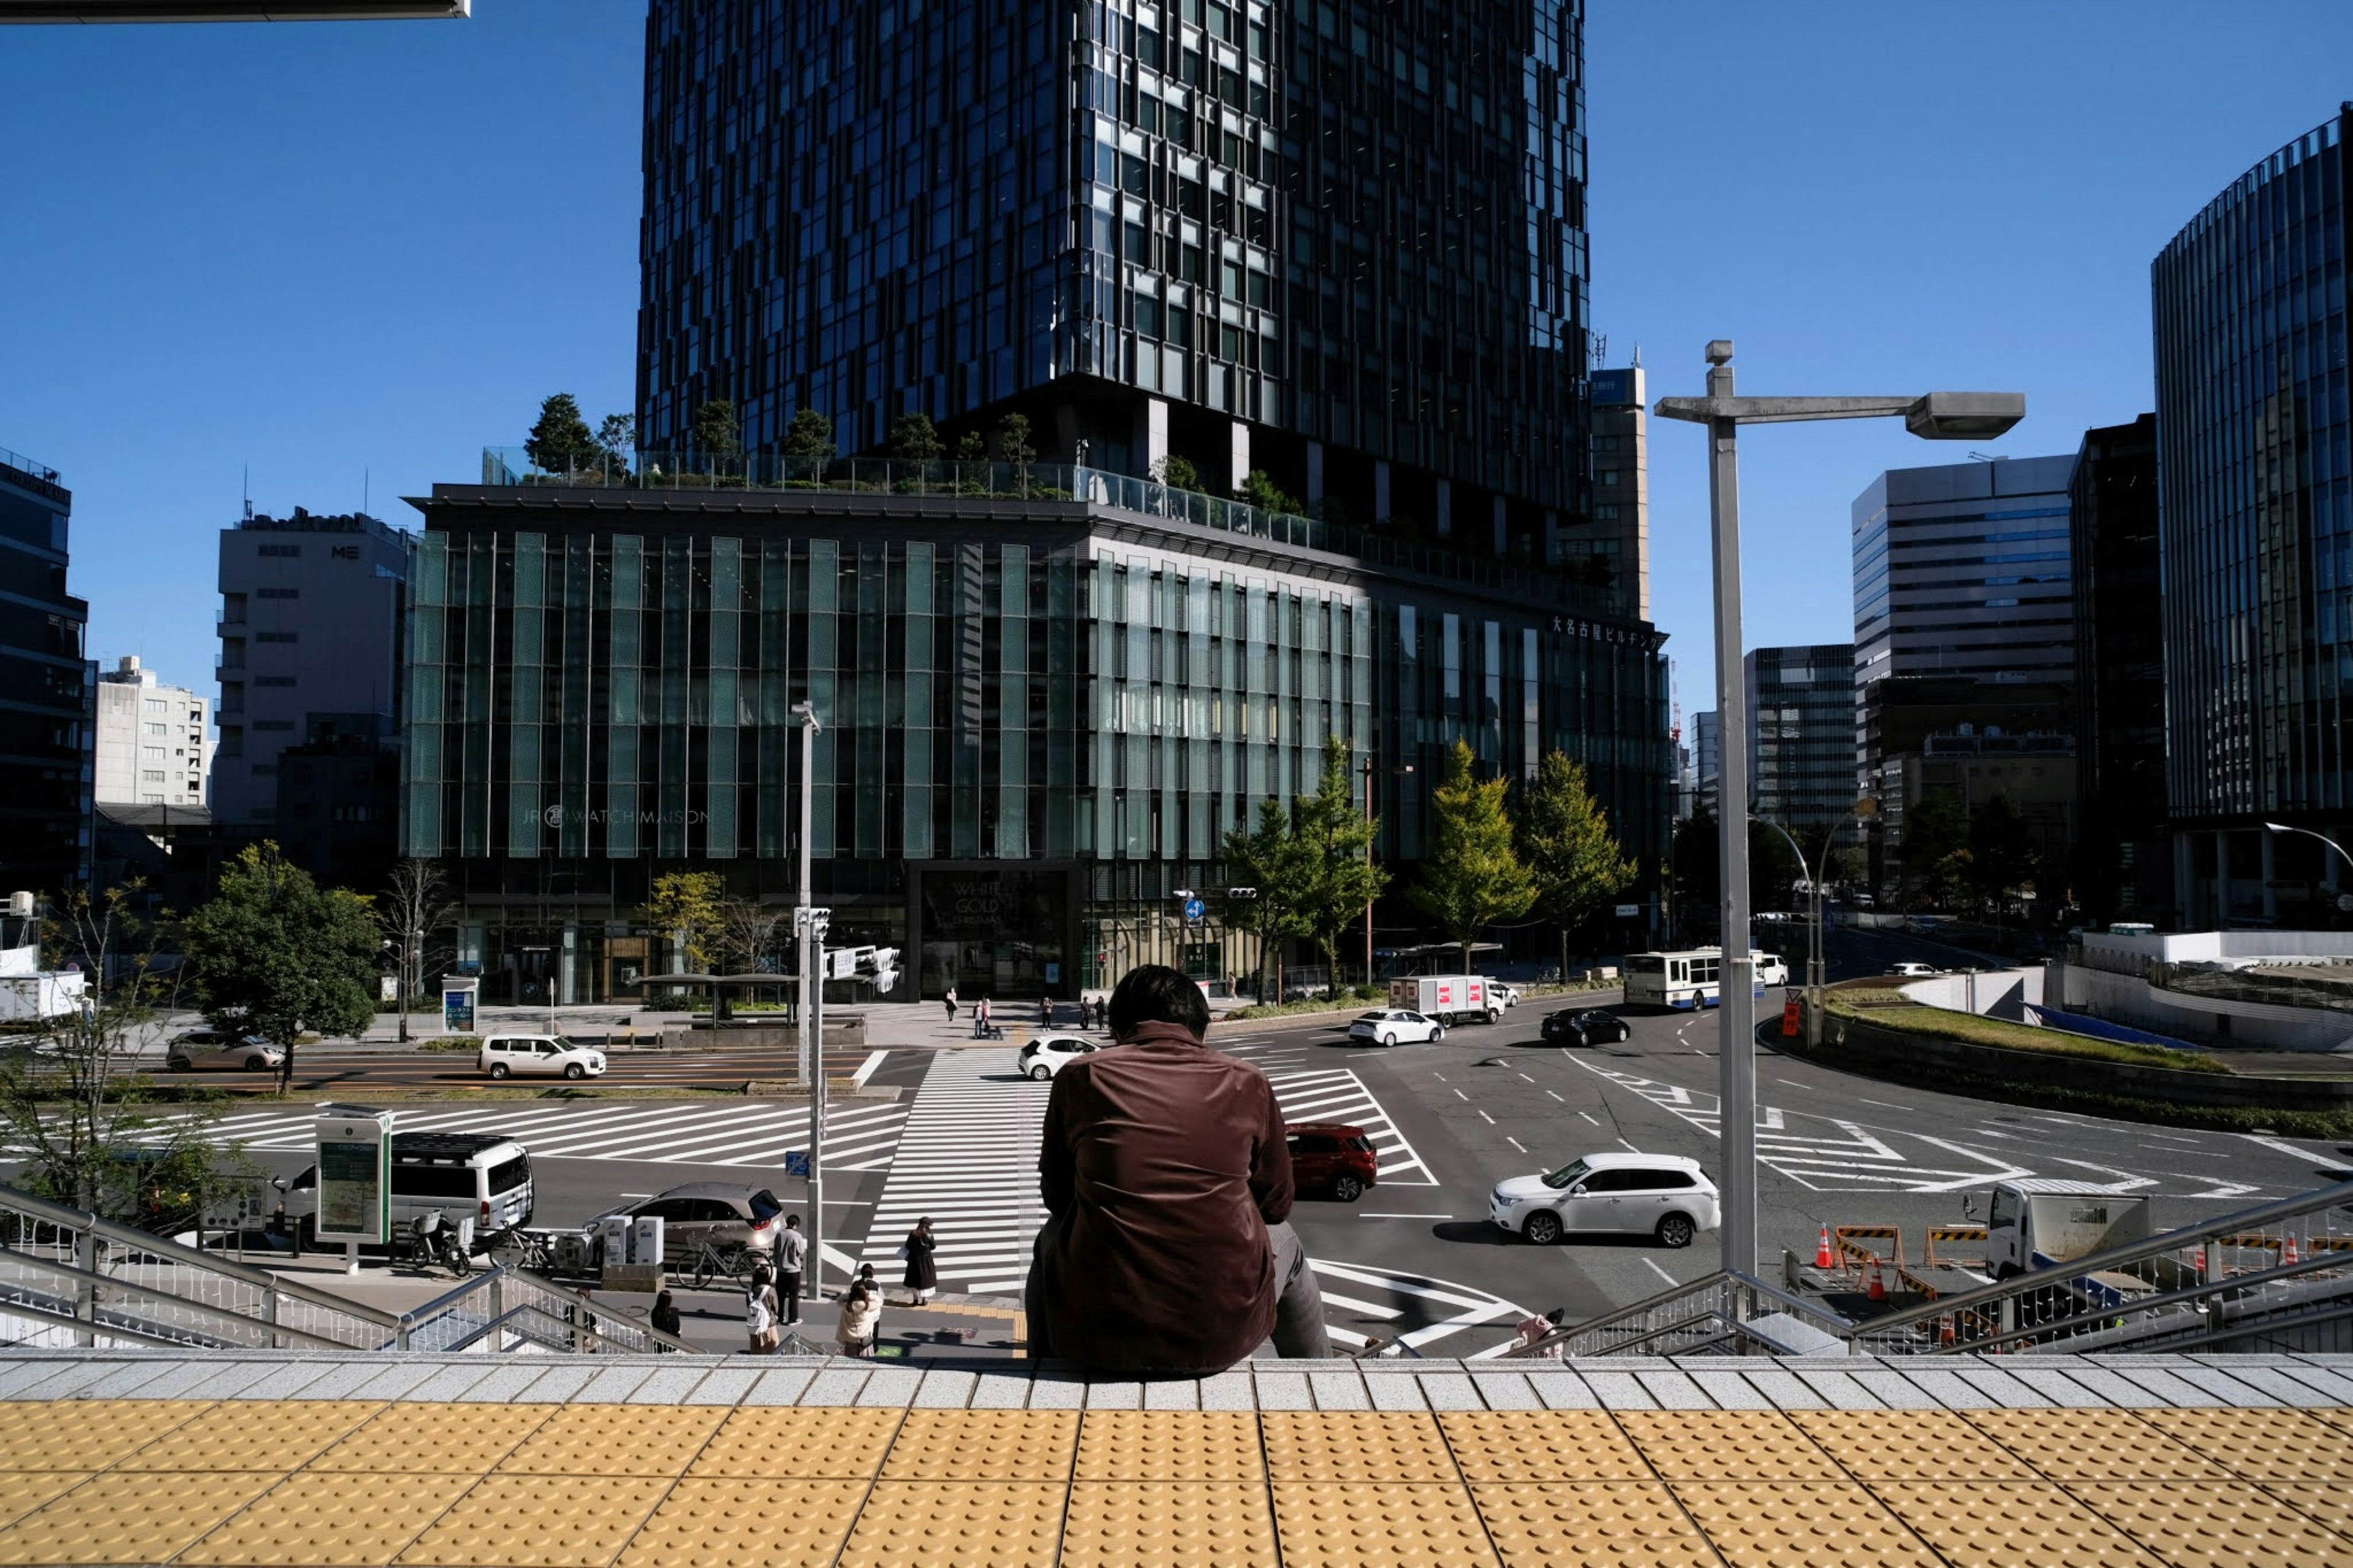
column 882, row 964
column 1242, row 892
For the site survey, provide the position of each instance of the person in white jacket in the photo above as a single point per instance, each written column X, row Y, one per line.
column 861, row 1318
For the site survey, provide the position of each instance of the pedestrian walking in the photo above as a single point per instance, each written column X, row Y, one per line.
column 862, row 1320
column 950, row 1001
column 760, row 1313
column 792, row 1251
column 984, row 1018
column 923, row 1273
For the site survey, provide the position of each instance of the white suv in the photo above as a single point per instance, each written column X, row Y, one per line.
column 538, row 1056
column 1661, row 1195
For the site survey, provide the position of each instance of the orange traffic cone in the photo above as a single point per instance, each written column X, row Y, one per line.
column 1878, row 1291
column 2287, row 1253
column 1823, row 1258
column 2198, row 1261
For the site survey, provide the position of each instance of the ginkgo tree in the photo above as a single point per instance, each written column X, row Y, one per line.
column 1471, row 876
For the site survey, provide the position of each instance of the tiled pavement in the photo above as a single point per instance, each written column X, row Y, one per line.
column 110, row 1457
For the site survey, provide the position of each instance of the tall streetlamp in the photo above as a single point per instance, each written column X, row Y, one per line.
column 1369, row 770
column 1817, row 975
column 809, row 925
column 2308, row 833
column 1936, row 417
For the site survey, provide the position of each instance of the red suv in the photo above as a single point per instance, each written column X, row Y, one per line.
column 1330, row 1156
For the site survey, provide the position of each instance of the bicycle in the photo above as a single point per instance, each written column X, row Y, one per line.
column 732, row 1261
column 533, row 1251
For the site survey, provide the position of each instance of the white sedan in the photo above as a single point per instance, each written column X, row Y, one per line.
column 199, row 1049
column 1043, row 1057
column 1395, row 1025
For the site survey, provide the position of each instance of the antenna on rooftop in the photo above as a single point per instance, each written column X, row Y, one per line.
column 248, row 492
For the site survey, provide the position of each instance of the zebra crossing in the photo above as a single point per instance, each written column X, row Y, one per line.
column 1337, row 1094
column 860, row 1135
column 967, row 1157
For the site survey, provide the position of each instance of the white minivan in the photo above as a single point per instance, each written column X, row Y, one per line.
column 538, row 1056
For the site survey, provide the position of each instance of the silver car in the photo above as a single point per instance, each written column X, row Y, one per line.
column 210, row 1050
column 727, row 1215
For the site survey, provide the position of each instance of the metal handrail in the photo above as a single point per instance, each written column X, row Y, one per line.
column 2187, row 1295
column 2242, row 1220
column 125, row 1286
column 493, row 1282
column 1723, row 1279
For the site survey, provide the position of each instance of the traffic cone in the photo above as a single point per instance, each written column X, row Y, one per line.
column 1823, row 1258
column 2287, row 1253
column 2198, row 1261
column 1878, row 1291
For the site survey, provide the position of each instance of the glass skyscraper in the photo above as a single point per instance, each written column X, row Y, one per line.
column 47, row 723
column 2255, row 500
column 1340, row 242
column 1801, row 737
column 1044, row 710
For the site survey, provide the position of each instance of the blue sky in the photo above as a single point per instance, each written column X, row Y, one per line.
column 353, row 253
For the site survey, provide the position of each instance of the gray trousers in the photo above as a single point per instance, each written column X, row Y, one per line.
column 1299, row 1332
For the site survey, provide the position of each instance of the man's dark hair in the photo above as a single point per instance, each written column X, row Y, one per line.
column 1156, row 993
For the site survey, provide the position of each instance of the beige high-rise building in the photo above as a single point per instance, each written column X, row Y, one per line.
column 154, row 741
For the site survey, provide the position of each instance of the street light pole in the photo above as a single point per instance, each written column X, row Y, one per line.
column 809, row 924
column 2308, row 833
column 1938, row 416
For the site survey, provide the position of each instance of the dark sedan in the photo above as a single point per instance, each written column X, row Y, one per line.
column 1591, row 1027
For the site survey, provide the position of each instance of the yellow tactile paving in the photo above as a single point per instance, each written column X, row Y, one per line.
column 129, row 1518
column 2096, row 1446
column 342, row 1518
column 958, row 1524
column 984, row 1446
column 1540, row 1446
column 815, row 1444
column 535, row 1521
column 1178, row 1524
column 2329, row 1503
column 2193, row 1524
column 446, row 1440
column 1361, row 1525
column 739, row 1521
column 1355, row 1446
column 2008, row 1524
column 1169, row 1446
column 1590, row 1525
column 1910, row 1445
column 1754, row 1524
column 273, row 1434
column 615, row 1440
column 22, row 1491
column 1727, row 1446
column 2263, row 1444
column 86, row 1435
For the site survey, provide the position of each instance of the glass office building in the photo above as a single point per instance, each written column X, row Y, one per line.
column 1801, row 737
column 1340, row 242
column 48, row 717
column 1043, row 708
column 2255, row 501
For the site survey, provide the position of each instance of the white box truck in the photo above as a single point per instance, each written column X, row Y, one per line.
column 1448, row 999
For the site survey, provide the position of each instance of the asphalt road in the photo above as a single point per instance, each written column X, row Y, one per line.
column 354, row 1070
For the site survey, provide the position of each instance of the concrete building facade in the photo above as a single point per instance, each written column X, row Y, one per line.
column 154, row 743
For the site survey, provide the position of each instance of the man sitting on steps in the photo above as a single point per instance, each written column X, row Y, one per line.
column 1167, row 1175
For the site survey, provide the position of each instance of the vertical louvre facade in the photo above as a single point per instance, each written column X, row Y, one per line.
column 2255, row 490
column 1034, row 732
column 1338, row 241
column 1801, row 737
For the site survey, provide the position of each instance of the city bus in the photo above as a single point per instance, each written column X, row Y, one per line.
column 1680, row 982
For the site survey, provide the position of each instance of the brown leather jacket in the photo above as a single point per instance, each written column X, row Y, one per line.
column 1164, row 1162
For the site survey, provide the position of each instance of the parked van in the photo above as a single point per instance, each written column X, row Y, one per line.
column 538, row 1056
column 481, row 1176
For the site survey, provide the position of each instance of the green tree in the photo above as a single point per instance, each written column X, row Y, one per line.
column 1565, row 839
column 718, row 435
column 1013, row 445
column 413, row 905
column 1268, row 861
column 560, row 442
column 1339, row 880
column 1263, row 493
column 1935, row 826
column 915, row 439
column 2002, row 854
column 689, row 908
column 971, row 449
column 1472, row 876
column 809, row 436
column 1177, row 473
column 275, row 954
column 617, row 438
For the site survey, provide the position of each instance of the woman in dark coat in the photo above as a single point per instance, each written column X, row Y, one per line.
column 922, row 1275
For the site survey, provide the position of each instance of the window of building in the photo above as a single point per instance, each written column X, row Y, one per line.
column 155, row 705
column 151, row 775
column 1606, row 512
column 284, row 551
column 1605, row 476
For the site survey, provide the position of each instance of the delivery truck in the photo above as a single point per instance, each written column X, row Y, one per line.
column 1448, row 999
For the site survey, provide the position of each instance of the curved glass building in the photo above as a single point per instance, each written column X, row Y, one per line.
column 2255, row 496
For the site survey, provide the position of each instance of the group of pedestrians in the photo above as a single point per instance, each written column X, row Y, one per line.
column 772, row 1302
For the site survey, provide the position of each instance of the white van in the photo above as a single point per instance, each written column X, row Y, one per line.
column 481, row 1176
column 538, row 1056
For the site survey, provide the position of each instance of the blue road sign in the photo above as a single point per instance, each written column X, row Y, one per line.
column 796, row 1161
column 1194, row 908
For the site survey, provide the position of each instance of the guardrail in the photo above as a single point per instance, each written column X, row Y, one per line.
column 101, row 1282
column 2280, row 1265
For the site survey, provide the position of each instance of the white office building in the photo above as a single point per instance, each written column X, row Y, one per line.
column 154, row 741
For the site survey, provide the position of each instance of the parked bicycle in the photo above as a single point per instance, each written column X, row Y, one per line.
column 515, row 1247
column 432, row 1240
column 733, row 1260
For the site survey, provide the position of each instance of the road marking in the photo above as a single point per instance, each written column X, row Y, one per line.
column 1337, row 1094
column 866, row 1068
column 1460, row 1095
column 1412, row 1292
column 1372, row 1215
column 1439, row 1076
column 1555, row 1094
column 1883, row 1104
column 1628, row 1147
column 1588, row 1118
column 1526, row 1079
column 1484, row 1117
column 1515, row 1143
column 1661, row 1272
column 1368, row 1309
